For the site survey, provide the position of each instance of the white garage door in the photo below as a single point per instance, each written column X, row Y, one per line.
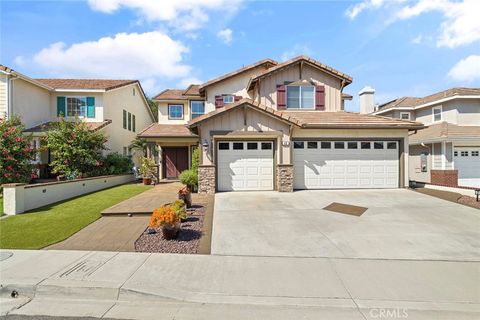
column 345, row 164
column 467, row 161
column 245, row 165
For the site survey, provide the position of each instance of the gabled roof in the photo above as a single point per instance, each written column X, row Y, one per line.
column 157, row 130
column 192, row 90
column 267, row 62
column 412, row 102
column 445, row 131
column 86, row 84
column 304, row 59
column 318, row 119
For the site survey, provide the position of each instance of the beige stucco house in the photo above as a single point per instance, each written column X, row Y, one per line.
column 278, row 126
column 117, row 107
column 447, row 152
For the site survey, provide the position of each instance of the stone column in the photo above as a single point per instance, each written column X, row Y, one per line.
column 285, row 177
column 14, row 198
column 206, row 179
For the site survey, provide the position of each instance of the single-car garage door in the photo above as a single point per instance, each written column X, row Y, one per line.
column 467, row 161
column 345, row 164
column 245, row 165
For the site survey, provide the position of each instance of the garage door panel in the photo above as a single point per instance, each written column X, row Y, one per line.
column 346, row 168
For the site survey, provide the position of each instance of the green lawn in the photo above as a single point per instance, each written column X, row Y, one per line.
column 48, row 225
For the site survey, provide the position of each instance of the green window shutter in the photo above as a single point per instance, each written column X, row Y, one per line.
column 133, row 122
column 61, row 107
column 124, row 119
column 129, row 121
column 90, row 107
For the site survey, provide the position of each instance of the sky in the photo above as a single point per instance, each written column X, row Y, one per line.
column 399, row 47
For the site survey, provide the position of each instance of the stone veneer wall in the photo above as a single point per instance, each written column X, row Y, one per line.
column 447, row 178
column 285, row 178
column 206, row 179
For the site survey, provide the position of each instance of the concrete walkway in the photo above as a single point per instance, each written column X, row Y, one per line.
column 147, row 201
column 167, row 286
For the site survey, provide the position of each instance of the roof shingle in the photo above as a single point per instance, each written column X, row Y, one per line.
column 86, row 84
column 445, row 130
column 156, row 130
column 46, row 126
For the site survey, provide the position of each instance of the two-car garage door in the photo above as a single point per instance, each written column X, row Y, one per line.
column 345, row 164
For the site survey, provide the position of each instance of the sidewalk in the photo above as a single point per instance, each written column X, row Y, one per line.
column 108, row 282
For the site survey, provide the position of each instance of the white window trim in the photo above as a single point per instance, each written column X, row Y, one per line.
column 433, row 113
column 176, row 118
column 407, row 113
column 66, row 107
column 228, row 96
column 300, row 100
column 191, row 109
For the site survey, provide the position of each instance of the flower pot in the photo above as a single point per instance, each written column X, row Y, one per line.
column 147, row 181
column 170, row 232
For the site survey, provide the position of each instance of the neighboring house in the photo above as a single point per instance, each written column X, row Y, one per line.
column 117, row 107
column 278, row 126
column 447, row 152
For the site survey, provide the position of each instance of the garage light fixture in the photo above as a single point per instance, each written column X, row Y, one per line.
column 205, row 143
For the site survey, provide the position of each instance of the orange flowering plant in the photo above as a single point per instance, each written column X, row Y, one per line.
column 164, row 216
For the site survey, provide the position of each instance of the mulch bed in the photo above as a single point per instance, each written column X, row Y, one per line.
column 186, row 242
column 469, row 201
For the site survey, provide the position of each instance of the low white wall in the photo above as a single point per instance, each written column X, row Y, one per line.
column 19, row 198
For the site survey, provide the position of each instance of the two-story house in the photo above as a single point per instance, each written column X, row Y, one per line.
column 117, row 107
column 447, row 152
column 278, row 126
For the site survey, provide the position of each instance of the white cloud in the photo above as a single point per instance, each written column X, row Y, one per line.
column 460, row 25
column 418, row 39
column 466, row 70
column 151, row 56
column 185, row 82
column 296, row 50
column 185, row 15
column 226, row 35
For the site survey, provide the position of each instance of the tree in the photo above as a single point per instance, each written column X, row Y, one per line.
column 76, row 150
column 140, row 144
column 153, row 106
column 16, row 153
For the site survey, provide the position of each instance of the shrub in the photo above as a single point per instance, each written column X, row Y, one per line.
column 189, row 178
column 16, row 154
column 164, row 216
column 115, row 163
column 195, row 159
column 147, row 168
column 180, row 208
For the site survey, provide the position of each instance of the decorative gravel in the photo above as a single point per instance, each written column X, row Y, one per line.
column 187, row 239
column 469, row 201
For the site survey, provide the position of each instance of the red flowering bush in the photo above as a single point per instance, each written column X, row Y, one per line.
column 16, row 153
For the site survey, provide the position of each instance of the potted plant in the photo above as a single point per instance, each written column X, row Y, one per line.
column 185, row 195
column 146, row 170
column 180, row 208
column 168, row 219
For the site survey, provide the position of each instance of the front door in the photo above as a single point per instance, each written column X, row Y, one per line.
column 176, row 160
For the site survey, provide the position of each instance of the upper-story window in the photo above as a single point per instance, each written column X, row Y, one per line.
column 175, row 111
column 405, row 115
column 437, row 113
column 228, row 99
column 300, row 97
column 197, row 108
column 77, row 107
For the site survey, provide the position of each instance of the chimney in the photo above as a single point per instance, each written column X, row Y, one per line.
column 367, row 100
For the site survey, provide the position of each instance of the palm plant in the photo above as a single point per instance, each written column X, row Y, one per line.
column 140, row 144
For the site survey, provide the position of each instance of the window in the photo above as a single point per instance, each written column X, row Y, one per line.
column 455, row 153
column 352, row 145
column 339, row 145
column 228, row 99
column 365, row 145
column 77, row 107
column 238, row 146
column 224, row 146
column 475, row 153
column 124, row 119
column 326, row 145
column 298, row 144
column 266, row 146
column 437, row 113
column 391, row 145
column 133, row 91
column 133, row 123
column 405, row 115
column 300, row 97
column 198, row 108
column 125, row 151
column 129, row 121
column 378, row 145
column 252, row 146
column 464, row 153
column 175, row 111
column 312, row 145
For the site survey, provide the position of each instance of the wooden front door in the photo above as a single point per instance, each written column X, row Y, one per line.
column 175, row 160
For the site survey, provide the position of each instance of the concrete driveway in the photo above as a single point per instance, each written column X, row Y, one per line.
column 399, row 224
